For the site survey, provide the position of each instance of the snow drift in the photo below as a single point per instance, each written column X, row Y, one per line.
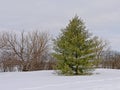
column 102, row 79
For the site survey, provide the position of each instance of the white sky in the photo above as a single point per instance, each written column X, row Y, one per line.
column 102, row 17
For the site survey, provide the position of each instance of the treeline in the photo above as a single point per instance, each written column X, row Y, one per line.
column 110, row 59
column 25, row 51
column 76, row 51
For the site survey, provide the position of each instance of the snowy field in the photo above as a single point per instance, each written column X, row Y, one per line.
column 102, row 79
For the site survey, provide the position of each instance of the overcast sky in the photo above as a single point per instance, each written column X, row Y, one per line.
column 102, row 17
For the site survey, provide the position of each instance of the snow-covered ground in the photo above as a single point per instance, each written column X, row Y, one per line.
column 102, row 79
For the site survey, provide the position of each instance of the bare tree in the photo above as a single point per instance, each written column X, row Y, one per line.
column 101, row 46
column 28, row 48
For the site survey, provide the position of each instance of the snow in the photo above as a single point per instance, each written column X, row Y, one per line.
column 102, row 79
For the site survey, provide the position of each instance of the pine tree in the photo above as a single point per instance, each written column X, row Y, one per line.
column 75, row 49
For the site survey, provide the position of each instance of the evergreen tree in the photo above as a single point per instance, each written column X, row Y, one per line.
column 75, row 49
